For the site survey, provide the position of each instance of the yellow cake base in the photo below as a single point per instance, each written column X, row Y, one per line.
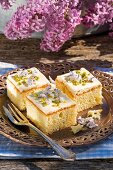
column 85, row 100
column 17, row 97
column 52, row 122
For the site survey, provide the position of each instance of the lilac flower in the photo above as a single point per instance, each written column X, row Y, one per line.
column 57, row 19
column 90, row 122
column 19, row 25
column 30, row 81
column 22, row 73
column 28, row 18
column 73, row 77
column 48, row 88
column 81, row 120
column 61, row 24
column 6, row 4
column 100, row 12
column 42, row 95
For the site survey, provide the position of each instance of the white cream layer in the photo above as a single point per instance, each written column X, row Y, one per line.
column 79, row 89
column 49, row 108
column 42, row 80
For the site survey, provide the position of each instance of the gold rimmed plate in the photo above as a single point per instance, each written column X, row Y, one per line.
column 65, row 137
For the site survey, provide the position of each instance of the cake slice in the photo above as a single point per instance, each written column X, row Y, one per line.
column 82, row 87
column 24, row 82
column 51, row 110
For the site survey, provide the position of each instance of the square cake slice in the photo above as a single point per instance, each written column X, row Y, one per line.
column 51, row 110
column 20, row 84
column 82, row 87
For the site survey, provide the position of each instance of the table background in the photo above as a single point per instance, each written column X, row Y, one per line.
column 93, row 51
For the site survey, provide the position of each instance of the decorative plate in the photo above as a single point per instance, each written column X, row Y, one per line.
column 66, row 138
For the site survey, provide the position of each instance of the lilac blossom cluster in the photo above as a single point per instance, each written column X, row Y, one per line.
column 100, row 12
column 61, row 23
column 28, row 18
column 57, row 19
column 6, row 4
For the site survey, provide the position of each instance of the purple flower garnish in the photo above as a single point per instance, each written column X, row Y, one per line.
column 23, row 73
column 30, row 81
column 42, row 95
column 90, row 79
column 90, row 122
column 81, row 120
column 73, row 77
column 48, row 88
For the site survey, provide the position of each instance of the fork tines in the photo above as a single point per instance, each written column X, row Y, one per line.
column 16, row 112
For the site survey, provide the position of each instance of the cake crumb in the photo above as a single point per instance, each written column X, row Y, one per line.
column 94, row 113
column 77, row 128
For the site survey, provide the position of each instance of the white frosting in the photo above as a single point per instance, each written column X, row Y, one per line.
column 50, row 107
column 80, row 88
column 33, row 78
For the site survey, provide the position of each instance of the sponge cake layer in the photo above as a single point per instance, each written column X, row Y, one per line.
column 51, row 110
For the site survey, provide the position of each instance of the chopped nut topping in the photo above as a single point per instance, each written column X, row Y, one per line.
column 78, row 77
column 26, row 77
column 49, row 95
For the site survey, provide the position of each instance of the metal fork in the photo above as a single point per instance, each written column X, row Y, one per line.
column 18, row 118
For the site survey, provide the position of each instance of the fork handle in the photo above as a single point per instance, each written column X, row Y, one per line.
column 61, row 151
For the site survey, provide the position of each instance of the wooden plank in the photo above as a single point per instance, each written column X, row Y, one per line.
column 56, row 165
column 97, row 48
